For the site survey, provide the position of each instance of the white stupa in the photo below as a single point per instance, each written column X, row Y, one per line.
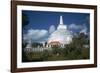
column 61, row 35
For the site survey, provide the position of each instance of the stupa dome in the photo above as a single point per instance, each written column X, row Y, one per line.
column 64, row 37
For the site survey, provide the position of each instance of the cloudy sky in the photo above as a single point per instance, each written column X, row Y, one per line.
column 42, row 24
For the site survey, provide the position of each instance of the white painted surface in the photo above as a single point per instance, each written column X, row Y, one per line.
column 5, row 37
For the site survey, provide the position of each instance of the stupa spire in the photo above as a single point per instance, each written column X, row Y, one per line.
column 61, row 24
column 61, row 20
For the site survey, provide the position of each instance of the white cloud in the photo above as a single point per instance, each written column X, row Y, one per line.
column 36, row 35
column 52, row 29
column 81, row 28
column 84, row 30
column 75, row 27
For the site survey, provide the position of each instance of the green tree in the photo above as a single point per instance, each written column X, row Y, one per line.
column 25, row 20
column 74, row 50
column 24, row 55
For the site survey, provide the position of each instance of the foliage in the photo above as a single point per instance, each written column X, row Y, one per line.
column 24, row 55
column 37, row 44
column 25, row 20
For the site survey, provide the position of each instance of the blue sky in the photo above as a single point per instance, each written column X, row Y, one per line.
column 41, row 21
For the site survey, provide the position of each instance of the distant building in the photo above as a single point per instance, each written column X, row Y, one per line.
column 54, row 44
